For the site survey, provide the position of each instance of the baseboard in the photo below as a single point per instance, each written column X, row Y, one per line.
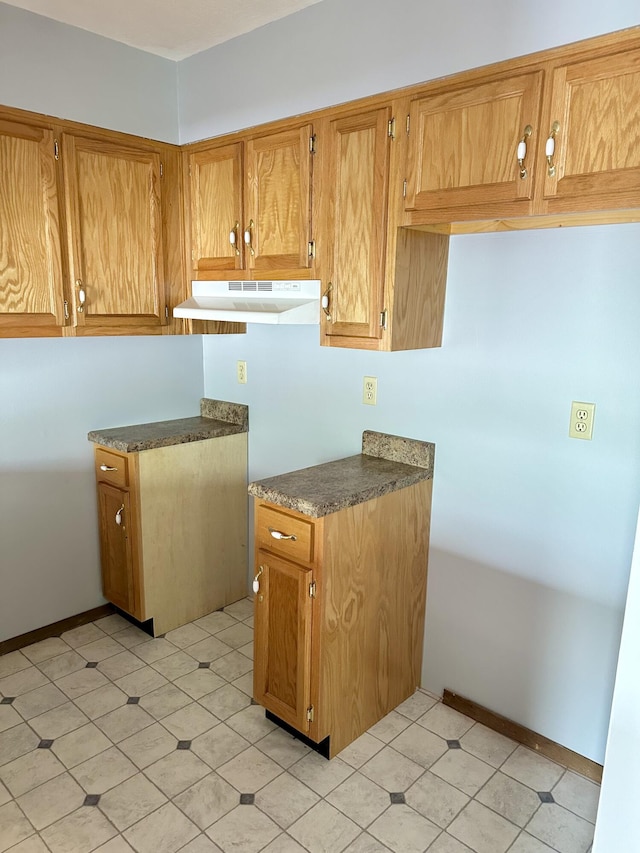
column 527, row 737
column 55, row 629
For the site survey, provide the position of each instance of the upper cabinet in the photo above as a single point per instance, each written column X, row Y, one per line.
column 383, row 287
column 250, row 206
column 115, row 235
column 32, row 295
column 472, row 149
column 593, row 126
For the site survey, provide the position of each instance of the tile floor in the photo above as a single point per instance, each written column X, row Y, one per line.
column 113, row 741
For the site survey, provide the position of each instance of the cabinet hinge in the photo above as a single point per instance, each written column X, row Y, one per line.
column 312, row 144
column 383, row 319
column 312, row 589
column 408, row 124
column 391, row 128
column 162, row 170
column 166, row 312
column 66, row 310
column 56, row 149
column 404, row 188
column 312, row 248
column 310, row 713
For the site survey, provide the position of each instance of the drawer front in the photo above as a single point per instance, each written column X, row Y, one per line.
column 111, row 468
column 284, row 534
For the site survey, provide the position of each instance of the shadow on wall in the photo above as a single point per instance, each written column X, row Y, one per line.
column 541, row 657
column 49, row 548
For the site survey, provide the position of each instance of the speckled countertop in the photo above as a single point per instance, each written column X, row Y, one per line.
column 217, row 418
column 387, row 463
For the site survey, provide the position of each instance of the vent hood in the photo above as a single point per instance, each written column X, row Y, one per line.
column 253, row 302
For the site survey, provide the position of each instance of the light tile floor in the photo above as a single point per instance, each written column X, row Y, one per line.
column 113, row 741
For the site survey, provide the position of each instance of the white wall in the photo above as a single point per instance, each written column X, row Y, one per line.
column 70, row 73
column 52, row 392
column 532, row 532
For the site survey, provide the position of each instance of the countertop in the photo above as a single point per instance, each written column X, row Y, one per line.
column 217, row 418
column 387, row 463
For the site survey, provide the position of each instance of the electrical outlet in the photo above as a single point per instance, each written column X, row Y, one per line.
column 241, row 368
column 370, row 390
column 581, row 423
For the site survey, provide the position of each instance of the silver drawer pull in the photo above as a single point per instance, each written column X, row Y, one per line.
column 104, row 467
column 277, row 534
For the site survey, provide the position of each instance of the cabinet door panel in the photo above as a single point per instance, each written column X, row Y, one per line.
column 279, row 200
column 31, row 288
column 114, row 211
column 597, row 158
column 356, row 182
column 463, row 145
column 115, row 546
column 216, row 208
column 282, row 658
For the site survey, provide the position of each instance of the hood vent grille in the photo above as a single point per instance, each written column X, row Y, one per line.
column 251, row 287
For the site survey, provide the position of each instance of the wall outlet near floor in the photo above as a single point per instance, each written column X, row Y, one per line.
column 581, row 423
column 241, row 370
column 370, row 390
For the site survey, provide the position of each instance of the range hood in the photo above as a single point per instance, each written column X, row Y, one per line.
column 253, row 302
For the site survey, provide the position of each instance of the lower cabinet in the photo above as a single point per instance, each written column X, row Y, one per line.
column 339, row 613
column 172, row 524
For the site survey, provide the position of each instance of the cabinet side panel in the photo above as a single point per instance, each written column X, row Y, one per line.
column 193, row 507
column 374, row 593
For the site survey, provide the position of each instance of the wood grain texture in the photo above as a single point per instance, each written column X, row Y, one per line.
column 463, row 145
column 354, row 178
column 597, row 105
column 31, row 285
column 278, row 199
column 300, row 549
column 419, row 289
column 115, row 546
column 116, row 250
column 373, row 589
column 282, row 661
column 521, row 734
column 215, row 183
column 177, row 285
column 193, row 527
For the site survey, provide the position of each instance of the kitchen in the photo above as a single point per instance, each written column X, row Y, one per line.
column 535, row 634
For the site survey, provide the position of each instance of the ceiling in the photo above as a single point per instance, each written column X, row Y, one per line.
column 173, row 29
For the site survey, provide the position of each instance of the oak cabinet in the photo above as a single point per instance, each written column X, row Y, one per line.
column 172, row 524
column 250, row 206
column 463, row 148
column 115, row 235
column 383, row 287
column 339, row 619
column 593, row 116
column 32, row 294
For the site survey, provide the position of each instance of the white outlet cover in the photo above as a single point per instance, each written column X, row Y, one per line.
column 581, row 422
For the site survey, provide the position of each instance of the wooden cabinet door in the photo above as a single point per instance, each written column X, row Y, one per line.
column 113, row 203
column 463, row 148
column 31, row 284
column 278, row 201
column 596, row 104
column 216, row 181
column 353, row 227
column 116, row 530
column 282, row 656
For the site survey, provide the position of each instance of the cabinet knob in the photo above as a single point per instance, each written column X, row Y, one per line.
column 248, row 236
column 82, row 297
column 278, row 534
column 233, row 237
column 119, row 515
column 256, row 580
column 325, row 302
column 522, row 151
column 550, row 149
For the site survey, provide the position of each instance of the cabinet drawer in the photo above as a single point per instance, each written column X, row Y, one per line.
column 111, row 467
column 274, row 526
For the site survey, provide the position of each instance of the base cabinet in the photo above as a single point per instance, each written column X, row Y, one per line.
column 339, row 612
column 172, row 524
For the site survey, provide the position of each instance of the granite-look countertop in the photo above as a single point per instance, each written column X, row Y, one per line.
column 217, row 418
column 387, row 463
